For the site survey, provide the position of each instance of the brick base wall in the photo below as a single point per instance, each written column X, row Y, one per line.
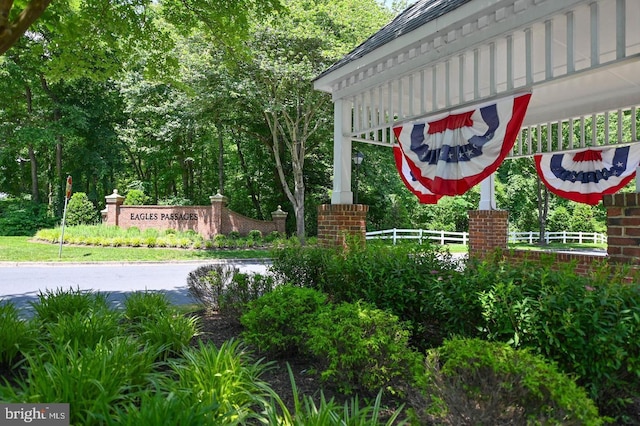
column 336, row 222
column 488, row 231
column 584, row 264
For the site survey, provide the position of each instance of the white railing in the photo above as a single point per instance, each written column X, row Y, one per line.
column 441, row 237
column 562, row 237
column 444, row 237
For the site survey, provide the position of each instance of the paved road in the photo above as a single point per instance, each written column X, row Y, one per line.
column 22, row 282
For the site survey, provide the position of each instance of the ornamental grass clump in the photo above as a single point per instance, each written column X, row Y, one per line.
column 16, row 334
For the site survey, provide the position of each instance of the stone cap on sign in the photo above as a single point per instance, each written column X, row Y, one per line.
column 279, row 213
column 114, row 198
column 218, row 198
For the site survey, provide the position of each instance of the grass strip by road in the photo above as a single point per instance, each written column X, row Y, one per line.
column 23, row 249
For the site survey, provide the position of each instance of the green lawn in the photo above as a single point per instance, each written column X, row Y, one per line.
column 23, row 249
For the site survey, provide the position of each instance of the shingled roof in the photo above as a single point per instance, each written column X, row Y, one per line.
column 413, row 17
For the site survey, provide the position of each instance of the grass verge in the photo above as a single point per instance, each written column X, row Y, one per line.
column 23, row 249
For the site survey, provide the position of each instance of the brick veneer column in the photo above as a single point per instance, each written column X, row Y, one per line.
column 111, row 211
column 623, row 227
column 279, row 218
column 218, row 202
column 336, row 221
column 488, row 231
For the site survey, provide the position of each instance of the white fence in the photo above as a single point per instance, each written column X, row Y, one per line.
column 562, row 237
column 444, row 237
column 441, row 237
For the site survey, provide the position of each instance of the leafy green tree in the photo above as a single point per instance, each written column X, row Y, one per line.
column 81, row 211
column 286, row 55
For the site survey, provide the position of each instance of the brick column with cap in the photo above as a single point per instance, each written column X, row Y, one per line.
column 488, row 231
column 279, row 218
column 336, row 222
column 111, row 212
column 623, row 227
column 218, row 202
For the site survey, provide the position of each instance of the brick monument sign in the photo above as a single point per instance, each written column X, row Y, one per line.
column 208, row 221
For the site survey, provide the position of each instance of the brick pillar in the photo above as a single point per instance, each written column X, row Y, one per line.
column 623, row 227
column 488, row 231
column 218, row 202
column 111, row 211
column 279, row 218
column 336, row 221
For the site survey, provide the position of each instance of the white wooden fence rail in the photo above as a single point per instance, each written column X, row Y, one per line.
column 444, row 237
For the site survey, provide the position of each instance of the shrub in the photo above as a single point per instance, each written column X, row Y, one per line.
column 588, row 325
column 492, row 383
column 255, row 235
column 81, row 211
column 278, row 322
column 207, row 284
column 135, row 197
column 298, row 265
column 243, row 289
column 364, row 348
column 22, row 217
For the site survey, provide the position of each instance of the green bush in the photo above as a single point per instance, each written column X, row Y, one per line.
column 278, row 322
column 363, row 348
column 588, row 325
column 492, row 383
column 243, row 289
column 81, row 211
column 135, row 197
column 140, row 305
column 208, row 283
column 22, row 217
column 421, row 284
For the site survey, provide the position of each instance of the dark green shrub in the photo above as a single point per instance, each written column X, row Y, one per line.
column 588, row 325
column 298, row 265
column 362, row 348
column 421, row 284
column 21, row 217
column 135, row 197
column 278, row 322
column 255, row 235
column 234, row 235
column 478, row 382
column 81, row 211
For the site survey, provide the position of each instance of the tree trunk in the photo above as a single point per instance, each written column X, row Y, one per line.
column 35, row 187
column 220, row 159
column 543, row 211
column 248, row 180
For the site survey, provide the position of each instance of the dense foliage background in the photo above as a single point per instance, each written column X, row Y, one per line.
column 171, row 105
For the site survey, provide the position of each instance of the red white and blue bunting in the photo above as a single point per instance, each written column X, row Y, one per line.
column 587, row 175
column 419, row 190
column 452, row 152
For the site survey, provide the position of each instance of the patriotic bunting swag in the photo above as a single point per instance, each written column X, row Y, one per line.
column 419, row 190
column 587, row 175
column 453, row 152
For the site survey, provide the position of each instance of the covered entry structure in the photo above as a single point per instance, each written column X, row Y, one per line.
column 579, row 59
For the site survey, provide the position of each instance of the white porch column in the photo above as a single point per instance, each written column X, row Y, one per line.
column 487, row 193
column 341, row 154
